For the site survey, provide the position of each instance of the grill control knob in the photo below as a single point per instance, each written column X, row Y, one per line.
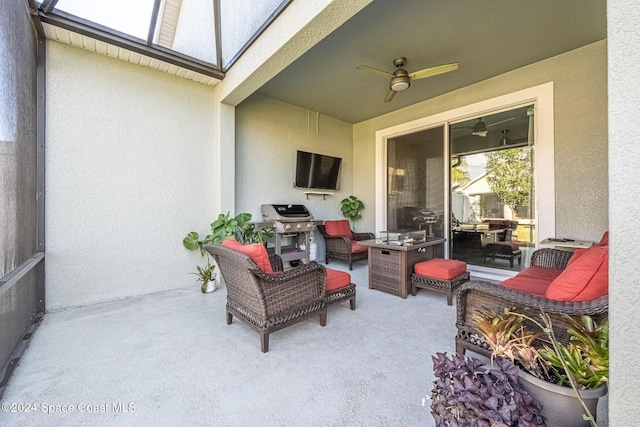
column 287, row 226
column 309, row 225
column 299, row 226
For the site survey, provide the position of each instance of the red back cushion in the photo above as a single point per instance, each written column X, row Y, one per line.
column 576, row 254
column 336, row 279
column 255, row 251
column 585, row 279
column 339, row 227
column 604, row 241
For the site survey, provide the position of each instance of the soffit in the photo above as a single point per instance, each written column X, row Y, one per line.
column 93, row 45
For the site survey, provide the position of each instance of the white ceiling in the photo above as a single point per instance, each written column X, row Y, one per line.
column 487, row 38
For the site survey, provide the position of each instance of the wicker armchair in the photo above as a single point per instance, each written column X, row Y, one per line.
column 478, row 294
column 341, row 247
column 270, row 302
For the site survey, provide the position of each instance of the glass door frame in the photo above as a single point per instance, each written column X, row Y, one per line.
column 541, row 97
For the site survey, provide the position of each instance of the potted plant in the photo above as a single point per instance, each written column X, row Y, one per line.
column 225, row 226
column 566, row 379
column 207, row 276
column 465, row 393
column 351, row 207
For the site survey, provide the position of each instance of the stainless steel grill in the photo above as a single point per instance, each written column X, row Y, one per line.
column 293, row 225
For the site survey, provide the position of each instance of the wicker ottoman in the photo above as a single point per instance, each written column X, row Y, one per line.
column 440, row 275
column 502, row 250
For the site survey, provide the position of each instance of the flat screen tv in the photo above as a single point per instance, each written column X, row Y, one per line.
column 317, row 171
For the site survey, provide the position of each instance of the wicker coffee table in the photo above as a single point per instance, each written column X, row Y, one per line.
column 391, row 265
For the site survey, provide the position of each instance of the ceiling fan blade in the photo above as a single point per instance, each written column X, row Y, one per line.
column 434, row 71
column 375, row 71
column 501, row 121
column 389, row 96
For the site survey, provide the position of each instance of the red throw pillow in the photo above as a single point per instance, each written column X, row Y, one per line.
column 576, row 254
column 339, row 227
column 585, row 279
column 604, row 241
column 336, row 279
column 255, row 251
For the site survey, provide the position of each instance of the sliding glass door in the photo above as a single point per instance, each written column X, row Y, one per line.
column 492, row 189
column 476, row 189
column 416, row 182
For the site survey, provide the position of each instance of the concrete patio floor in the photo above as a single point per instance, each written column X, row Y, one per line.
column 169, row 359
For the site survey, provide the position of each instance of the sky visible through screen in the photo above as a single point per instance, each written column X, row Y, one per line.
column 128, row 16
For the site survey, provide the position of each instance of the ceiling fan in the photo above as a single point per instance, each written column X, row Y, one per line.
column 481, row 128
column 401, row 79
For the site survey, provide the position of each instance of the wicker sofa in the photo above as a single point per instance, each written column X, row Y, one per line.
column 547, row 265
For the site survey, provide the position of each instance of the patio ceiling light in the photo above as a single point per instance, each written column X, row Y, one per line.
column 480, row 128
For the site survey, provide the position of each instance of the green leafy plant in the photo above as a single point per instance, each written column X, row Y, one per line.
column 205, row 274
column 351, row 207
column 586, row 357
column 225, row 226
column 238, row 227
column 582, row 364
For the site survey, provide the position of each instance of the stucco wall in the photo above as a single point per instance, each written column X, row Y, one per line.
column 624, row 151
column 128, row 150
column 268, row 133
column 580, row 102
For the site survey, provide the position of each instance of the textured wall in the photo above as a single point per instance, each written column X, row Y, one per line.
column 624, row 179
column 580, row 84
column 128, row 159
column 268, row 133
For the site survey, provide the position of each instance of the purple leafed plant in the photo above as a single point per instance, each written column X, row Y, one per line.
column 465, row 393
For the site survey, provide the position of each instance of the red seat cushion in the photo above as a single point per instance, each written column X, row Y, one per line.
column 537, row 272
column 357, row 247
column 439, row 268
column 585, row 279
column 340, row 227
column 255, row 251
column 534, row 286
column 337, row 279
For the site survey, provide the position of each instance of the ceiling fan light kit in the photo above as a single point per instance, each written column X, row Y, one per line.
column 480, row 129
column 401, row 79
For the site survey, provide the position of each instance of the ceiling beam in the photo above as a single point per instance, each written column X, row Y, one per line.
column 47, row 6
column 154, row 22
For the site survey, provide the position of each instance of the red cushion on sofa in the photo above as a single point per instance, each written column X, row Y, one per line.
column 585, row 279
column 531, row 285
column 356, row 247
column 604, row 241
column 439, row 268
column 255, row 251
column 576, row 254
column 339, row 227
column 533, row 280
column 337, row 279
column 543, row 273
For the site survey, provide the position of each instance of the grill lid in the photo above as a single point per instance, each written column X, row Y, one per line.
column 285, row 212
